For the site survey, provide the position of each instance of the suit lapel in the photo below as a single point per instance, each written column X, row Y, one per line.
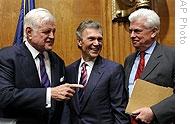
column 94, row 78
column 28, row 66
column 74, row 73
column 153, row 62
column 129, row 66
column 54, row 70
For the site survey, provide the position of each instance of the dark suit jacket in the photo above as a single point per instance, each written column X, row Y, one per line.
column 104, row 98
column 160, row 70
column 21, row 94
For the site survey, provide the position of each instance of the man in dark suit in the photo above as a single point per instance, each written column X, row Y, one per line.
column 159, row 65
column 103, row 99
column 27, row 94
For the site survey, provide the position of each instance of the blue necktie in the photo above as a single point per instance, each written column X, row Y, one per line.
column 44, row 77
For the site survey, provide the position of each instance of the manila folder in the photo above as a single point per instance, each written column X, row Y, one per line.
column 146, row 94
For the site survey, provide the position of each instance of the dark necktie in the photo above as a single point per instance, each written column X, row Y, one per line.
column 44, row 77
column 140, row 66
column 83, row 80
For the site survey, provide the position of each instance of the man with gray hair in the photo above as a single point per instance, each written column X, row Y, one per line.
column 151, row 62
column 32, row 75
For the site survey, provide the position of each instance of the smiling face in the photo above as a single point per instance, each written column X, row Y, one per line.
column 42, row 37
column 91, row 43
column 141, row 36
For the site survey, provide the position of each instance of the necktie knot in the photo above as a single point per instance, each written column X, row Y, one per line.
column 83, row 67
column 142, row 54
column 41, row 56
column 84, row 64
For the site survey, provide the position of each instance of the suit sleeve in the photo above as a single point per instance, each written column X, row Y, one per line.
column 12, row 96
column 118, row 96
column 165, row 110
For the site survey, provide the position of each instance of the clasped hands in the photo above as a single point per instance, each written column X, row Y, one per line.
column 64, row 91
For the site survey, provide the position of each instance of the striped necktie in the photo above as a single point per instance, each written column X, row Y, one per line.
column 44, row 77
column 83, row 79
column 140, row 66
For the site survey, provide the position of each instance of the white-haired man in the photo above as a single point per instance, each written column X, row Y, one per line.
column 31, row 74
column 151, row 62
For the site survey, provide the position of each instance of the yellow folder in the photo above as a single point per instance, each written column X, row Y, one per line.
column 146, row 94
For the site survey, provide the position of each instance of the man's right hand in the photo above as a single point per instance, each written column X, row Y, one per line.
column 64, row 91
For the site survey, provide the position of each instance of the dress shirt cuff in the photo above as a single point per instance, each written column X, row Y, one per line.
column 48, row 98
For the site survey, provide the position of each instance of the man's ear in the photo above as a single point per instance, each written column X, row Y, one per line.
column 79, row 42
column 29, row 32
column 154, row 32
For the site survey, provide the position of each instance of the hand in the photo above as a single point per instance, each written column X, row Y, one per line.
column 64, row 91
column 145, row 115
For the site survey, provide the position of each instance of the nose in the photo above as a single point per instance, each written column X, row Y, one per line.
column 132, row 35
column 51, row 34
column 96, row 42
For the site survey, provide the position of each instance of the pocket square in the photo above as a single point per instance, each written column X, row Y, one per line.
column 62, row 79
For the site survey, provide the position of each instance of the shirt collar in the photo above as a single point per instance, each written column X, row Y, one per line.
column 33, row 51
column 150, row 49
column 89, row 63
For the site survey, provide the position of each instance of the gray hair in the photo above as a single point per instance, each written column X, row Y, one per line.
column 87, row 24
column 36, row 17
column 152, row 20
